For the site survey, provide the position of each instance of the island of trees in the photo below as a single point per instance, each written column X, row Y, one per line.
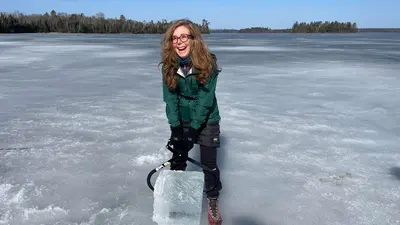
column 79, row 23
column 303, row 27
column 255, row 30
column 324, row 27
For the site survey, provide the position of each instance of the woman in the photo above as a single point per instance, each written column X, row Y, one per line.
column 189, row 75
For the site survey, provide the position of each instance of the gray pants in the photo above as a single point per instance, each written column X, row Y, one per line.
column 209, row 134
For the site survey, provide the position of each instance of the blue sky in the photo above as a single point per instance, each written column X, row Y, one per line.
column 227, row 13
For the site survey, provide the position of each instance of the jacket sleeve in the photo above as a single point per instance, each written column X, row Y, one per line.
column 206, row 100
column 170, row 98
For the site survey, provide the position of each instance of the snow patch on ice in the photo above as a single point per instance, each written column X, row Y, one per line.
column 154, row 158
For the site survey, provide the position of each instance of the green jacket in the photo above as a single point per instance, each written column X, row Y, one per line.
column 191, row 101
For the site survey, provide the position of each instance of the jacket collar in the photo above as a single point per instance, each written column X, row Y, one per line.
column 192, row 70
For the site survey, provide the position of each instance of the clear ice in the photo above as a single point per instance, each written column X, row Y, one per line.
column 178, row 197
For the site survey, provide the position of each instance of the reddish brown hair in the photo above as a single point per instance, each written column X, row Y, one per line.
column 200, row 56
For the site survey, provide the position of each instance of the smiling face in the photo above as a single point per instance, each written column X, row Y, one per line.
column 181, row 40
column 176, row 41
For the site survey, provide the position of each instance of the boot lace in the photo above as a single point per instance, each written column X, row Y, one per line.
column 214, row 207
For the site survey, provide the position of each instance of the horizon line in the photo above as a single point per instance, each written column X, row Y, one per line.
column 210, row 27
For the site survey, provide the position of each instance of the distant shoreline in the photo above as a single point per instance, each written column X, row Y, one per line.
column 289, row 31
column 379, row 29
column 78, row 23
column 361, row 30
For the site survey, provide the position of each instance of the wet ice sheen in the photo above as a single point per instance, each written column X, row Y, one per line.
column 178, row 197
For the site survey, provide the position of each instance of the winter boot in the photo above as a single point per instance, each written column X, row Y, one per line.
column 214, row 217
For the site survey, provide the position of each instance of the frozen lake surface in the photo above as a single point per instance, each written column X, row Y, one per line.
column 310, row 128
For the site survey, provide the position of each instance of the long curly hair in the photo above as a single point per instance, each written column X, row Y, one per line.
column 203, row 60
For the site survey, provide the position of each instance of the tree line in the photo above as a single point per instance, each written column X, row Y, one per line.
column 79, row 23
